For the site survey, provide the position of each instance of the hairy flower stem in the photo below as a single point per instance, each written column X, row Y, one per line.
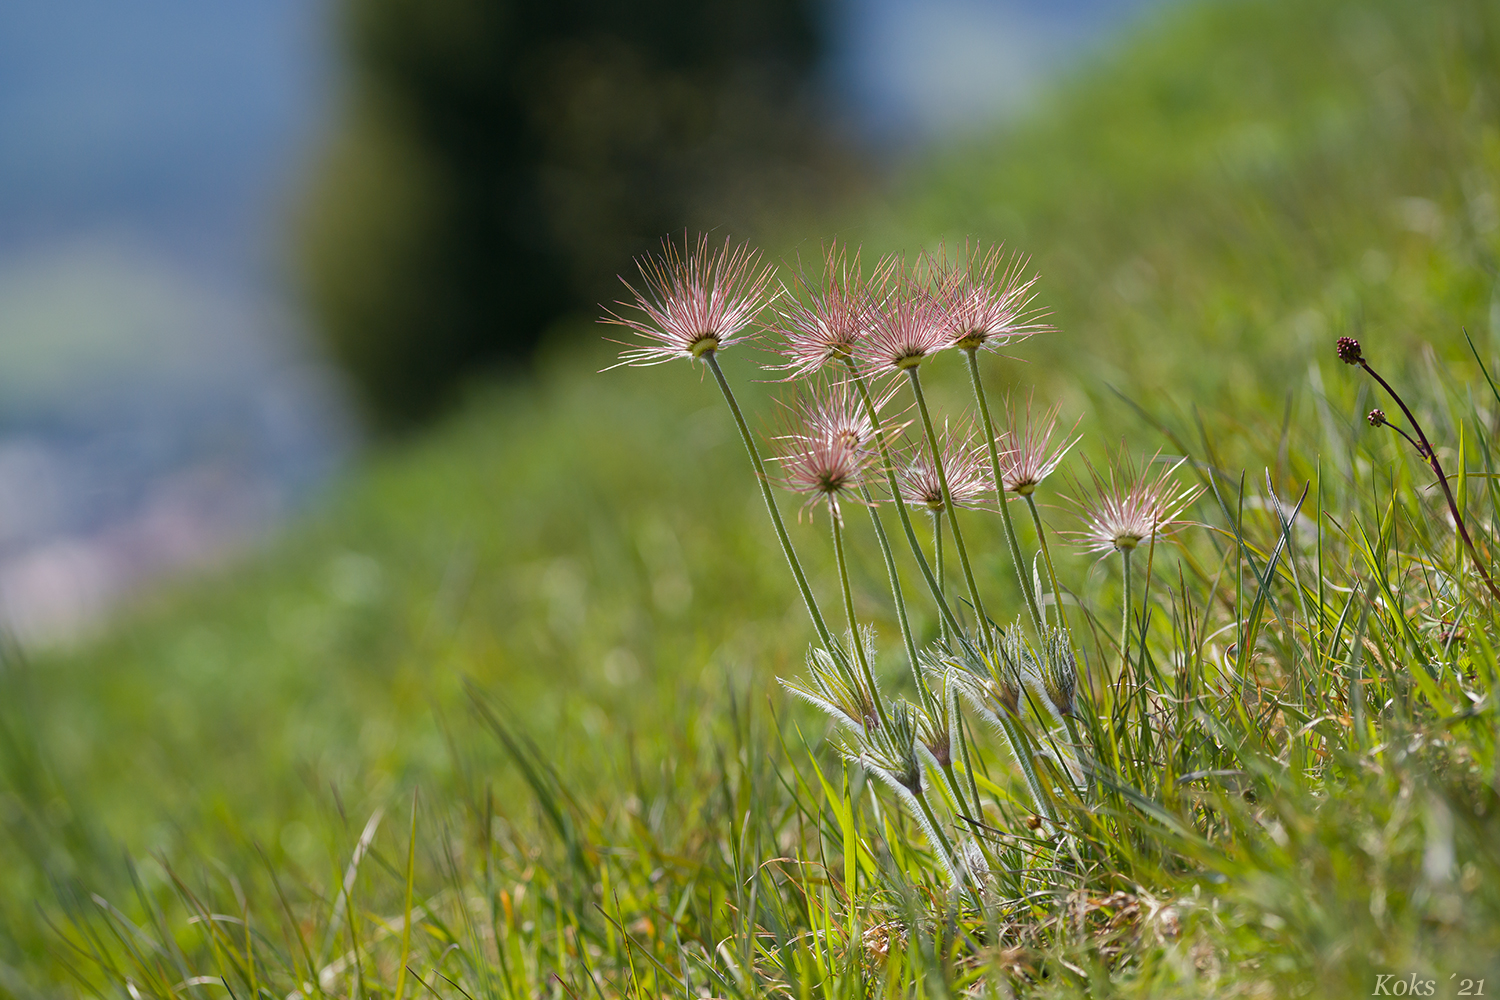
column 963, row 749
column 1125, row 616
column 890, row 475
column 955, row 788
column 824, row 635
column 1021, row 750
column 859, row 647
column 937, row 557
column 896, row 594
column 937, row 546
column 944, row 844
column 1010, row 528
column 914, row 375
column 1041, row 537
column 1426, row 450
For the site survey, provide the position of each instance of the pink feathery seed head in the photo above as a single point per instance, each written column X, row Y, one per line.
column 906, row 323
column 824, row 319
column 1129, row 507
column 826, row 449
column 964, row 465
column 693, row 300
column 986, row 300
column 836, row 413
column 1026, row 454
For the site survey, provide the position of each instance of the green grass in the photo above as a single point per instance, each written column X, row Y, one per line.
column 627, row 802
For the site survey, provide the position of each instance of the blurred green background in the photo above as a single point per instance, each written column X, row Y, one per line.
column 1210, row 201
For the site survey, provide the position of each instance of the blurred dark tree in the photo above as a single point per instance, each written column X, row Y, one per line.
column 500, row 161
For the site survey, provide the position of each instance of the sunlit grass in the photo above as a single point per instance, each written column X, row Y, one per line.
column 626, row 804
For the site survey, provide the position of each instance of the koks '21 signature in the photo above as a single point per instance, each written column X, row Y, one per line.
column 1391, row 985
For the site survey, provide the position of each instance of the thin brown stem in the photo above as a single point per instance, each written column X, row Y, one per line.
column 1425, row 449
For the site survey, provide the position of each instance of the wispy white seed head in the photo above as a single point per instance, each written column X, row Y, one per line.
column 964, row 465
column 1129, row 507
column 906, row 323
column 823, row 321
column 1025, row 451
column 693, row 300
column 827, row 448
column 986, row 298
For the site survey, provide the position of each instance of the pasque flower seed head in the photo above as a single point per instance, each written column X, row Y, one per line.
column 692, row 301
column 823, row 321
column 1129, row 507
column 906, row 323
column 986, row 300
column 1025, row 456
column 966, row 469
column 826, row 450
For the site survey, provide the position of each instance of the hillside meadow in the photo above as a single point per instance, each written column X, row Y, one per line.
column 500, row 717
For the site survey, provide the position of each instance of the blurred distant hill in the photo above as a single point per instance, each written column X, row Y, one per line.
column 499, row 162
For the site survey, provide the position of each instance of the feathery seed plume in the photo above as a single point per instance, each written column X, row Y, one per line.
column 906, row 323
column 692, row 301
column 827, row 450
column 824, row 321
column 837, row 413
column 1025, row 459
column 1129, row 507
column 966, row 468
column 986, row 301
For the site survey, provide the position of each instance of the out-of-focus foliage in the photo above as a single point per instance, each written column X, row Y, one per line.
column 499, row 162
column 1242, row 183
column 1207, row 212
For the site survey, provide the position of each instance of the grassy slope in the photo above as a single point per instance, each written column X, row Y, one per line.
column 1209, row 209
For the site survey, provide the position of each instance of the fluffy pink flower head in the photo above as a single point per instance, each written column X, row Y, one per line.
column 823, row 321
column 987, row 300
column 692, row 302
column 836, row 413
column 827, row 447
column 964, row 466
column 1129, row 507
column 906, row 323
column 1026, row 454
